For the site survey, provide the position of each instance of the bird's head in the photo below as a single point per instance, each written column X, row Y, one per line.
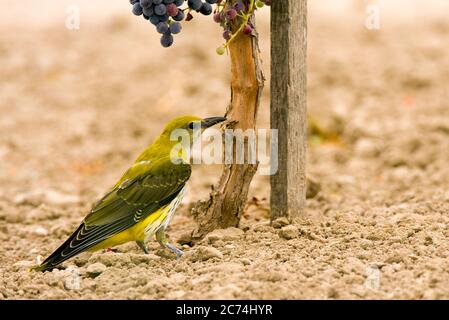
column 181, row 130
column 190, row 123
column 178, row 131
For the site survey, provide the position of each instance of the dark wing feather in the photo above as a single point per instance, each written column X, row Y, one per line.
column 147, row 187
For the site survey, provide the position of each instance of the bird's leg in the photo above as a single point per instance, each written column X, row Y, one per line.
column 160, row 237
column 142, row 246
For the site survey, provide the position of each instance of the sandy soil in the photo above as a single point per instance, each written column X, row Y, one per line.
column 78, row 106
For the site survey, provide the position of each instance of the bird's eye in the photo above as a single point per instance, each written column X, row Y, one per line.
column 191, row 125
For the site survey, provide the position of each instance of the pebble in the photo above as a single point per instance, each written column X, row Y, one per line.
column 178, row 294
column 230, row 234
column 40, row 231
column 143, row 258
column 245, row 261
column 94, row 270
column 280, row 222
column 288, row 232
column 203, row 253
column 396, row 258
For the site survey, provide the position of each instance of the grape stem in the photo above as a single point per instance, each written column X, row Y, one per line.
column 246, row 18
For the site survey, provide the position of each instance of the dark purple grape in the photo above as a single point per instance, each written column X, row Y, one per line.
column 175, row 28
column 227, row 35
column 137, row 9
column 211, row 1
column 163, row 18
column 206, row 9
column 180, row 16
column 162, row 27
column 148, row 11
column 154, row 19
column 156, row 2
column 166, row 40
column 160, row 9
column 179, row 2
column 146, row 3
column 195, row 4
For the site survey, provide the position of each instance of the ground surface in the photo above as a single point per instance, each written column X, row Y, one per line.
column 78, row 106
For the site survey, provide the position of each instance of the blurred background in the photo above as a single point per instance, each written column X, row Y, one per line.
column 77, row 106
column 78, row 102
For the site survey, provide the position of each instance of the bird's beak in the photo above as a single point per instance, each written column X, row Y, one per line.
column 209, row 122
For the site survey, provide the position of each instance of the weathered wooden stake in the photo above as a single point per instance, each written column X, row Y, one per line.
column 289, row 106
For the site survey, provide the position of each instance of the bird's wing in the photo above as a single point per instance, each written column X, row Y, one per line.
column 145, row 188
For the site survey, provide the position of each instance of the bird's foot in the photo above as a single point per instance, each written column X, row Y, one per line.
column 111, row 250
column 160, row 237
column 175, row 250
column 142, row 246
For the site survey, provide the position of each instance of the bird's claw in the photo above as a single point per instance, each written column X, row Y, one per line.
column 175, row 250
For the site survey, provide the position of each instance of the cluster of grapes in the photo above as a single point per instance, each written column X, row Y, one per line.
column 235, row 18
column 166, row 15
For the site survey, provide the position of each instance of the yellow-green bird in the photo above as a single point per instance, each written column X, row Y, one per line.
column 141, row 203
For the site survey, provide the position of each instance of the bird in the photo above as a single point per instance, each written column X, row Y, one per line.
column 143, row 201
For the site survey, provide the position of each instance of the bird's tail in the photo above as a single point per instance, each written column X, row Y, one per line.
column 58, row 257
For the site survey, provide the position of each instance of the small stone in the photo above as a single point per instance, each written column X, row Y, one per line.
column 288, row 232
column 263, row 228
column 178, row 294
column 394, row 259
column 245, row 261
column 94, row 270
column 144, row 258
column 280, row 222
column 81, row 260
column 40, row 231
column 203, row 253
column 230, row 234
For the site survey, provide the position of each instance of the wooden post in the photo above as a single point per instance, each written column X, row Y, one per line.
column 289, row 106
